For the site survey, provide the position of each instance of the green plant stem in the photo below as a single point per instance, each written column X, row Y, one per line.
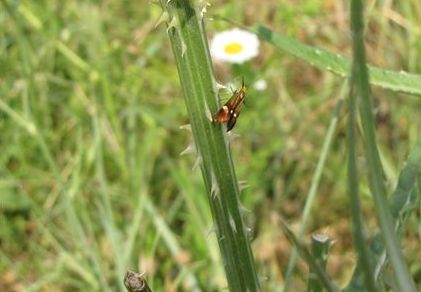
column 358, row 228
column 360, row 77
column 316, row 269
column 188, row 41
column 320, row 244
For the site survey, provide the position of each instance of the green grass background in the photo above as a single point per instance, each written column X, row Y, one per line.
column 91, row 180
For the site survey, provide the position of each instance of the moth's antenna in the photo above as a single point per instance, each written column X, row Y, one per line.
column 243, row 87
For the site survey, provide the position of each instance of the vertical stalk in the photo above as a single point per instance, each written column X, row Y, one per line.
column 353, row 190
column 360, row 79
column 189, row 44
column 320, row 244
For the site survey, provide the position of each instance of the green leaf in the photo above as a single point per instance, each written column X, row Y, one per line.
column 335, row 63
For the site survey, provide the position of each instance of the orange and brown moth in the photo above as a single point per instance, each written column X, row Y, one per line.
column 230, row 111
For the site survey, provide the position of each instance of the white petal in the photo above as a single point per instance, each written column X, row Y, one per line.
column 260, row 85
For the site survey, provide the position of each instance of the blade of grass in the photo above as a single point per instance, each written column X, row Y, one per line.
column 106, row 212
column 360, row 78
column 170, row 240
column 188, row 41
column 146, row 156
column 197, row 208
column 353, row 190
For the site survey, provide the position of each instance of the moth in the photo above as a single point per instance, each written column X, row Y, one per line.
column 230, row 111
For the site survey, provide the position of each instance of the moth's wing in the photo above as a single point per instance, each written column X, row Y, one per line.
column 231, row 123
column 237, row 99
column 231, row 109
column 222, row 115
column 225, row 112
column 233, row 117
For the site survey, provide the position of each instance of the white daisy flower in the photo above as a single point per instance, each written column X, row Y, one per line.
column 234, row 46
column 260, row 84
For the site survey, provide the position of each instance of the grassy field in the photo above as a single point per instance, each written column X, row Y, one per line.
column 91, row 178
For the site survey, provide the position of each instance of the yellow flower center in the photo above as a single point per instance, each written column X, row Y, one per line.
column 233, row 48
